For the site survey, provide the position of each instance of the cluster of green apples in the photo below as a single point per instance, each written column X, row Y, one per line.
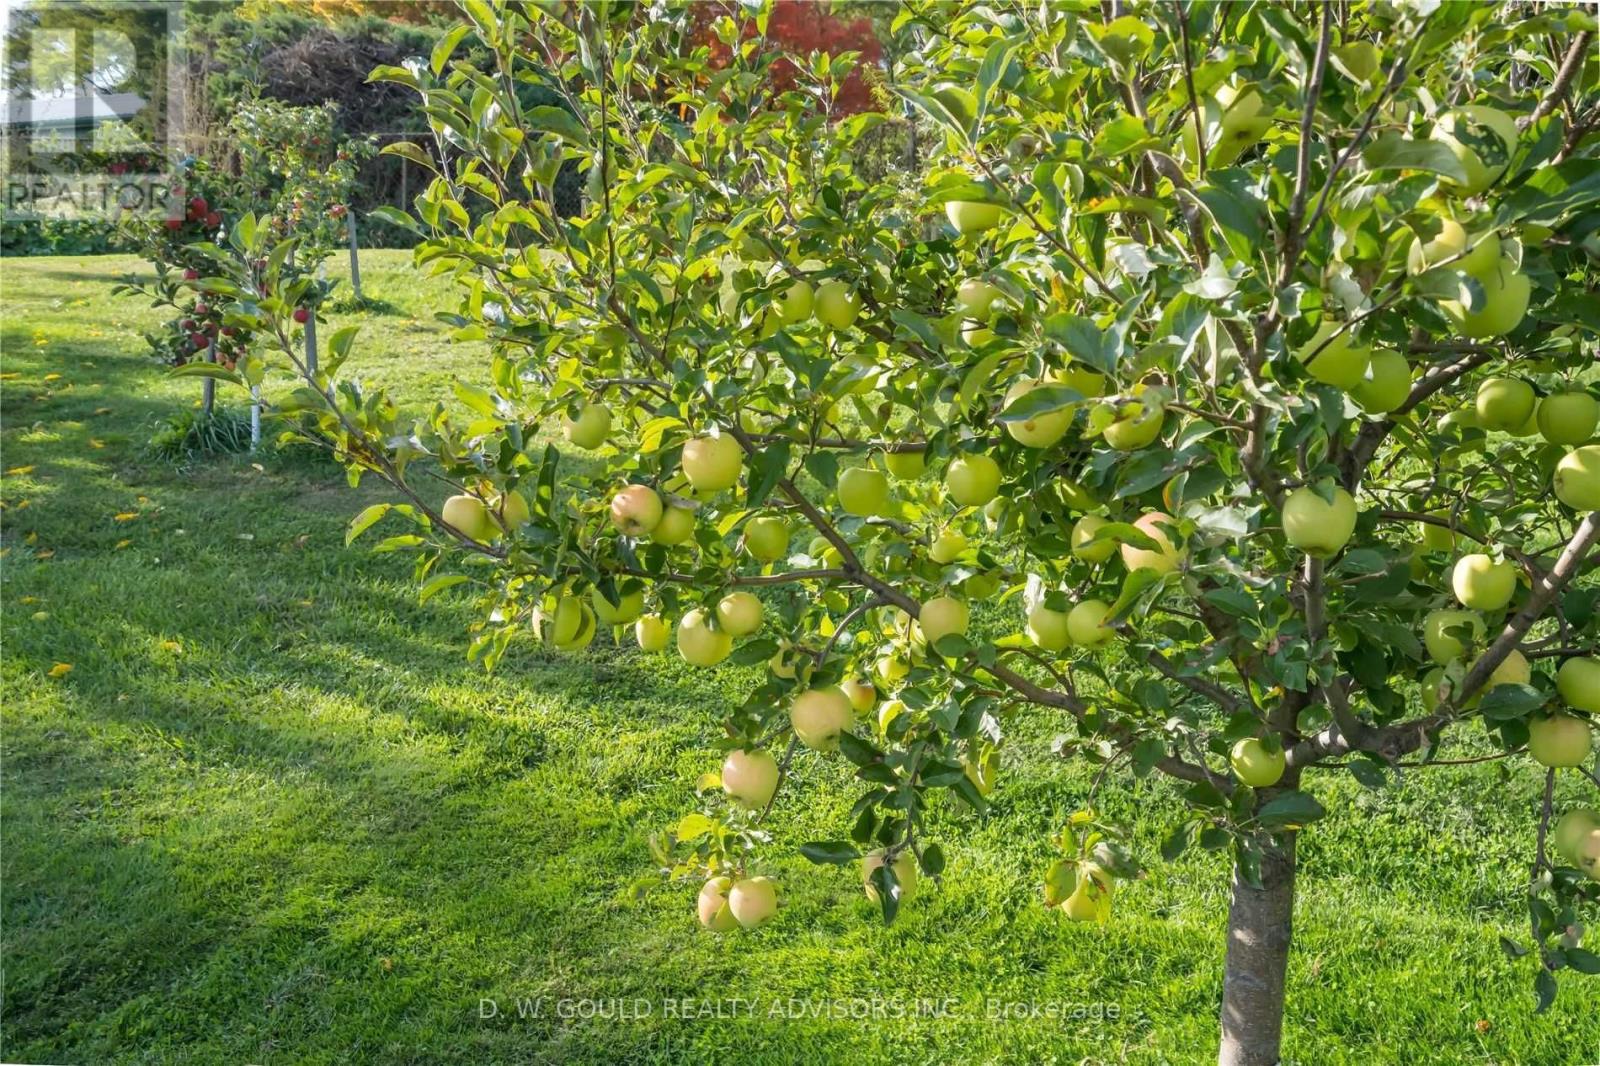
column 1081, row 888
column 833, row 303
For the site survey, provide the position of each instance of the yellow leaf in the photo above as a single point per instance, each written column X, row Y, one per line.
column 23, row 505
column 102, row 410
column 20, row 470
column 93, row 443
column 52, row 377
column 29, row 599
column 39, row 616
column 12, row 376
column 127, row 516
column 46, row 554
column 61, row 670
column 122, row 544
column 171, row 645
column 31, row 538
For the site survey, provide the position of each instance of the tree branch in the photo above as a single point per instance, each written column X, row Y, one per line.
column 1558, row 88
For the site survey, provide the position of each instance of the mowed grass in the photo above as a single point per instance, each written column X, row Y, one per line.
column 271, row 814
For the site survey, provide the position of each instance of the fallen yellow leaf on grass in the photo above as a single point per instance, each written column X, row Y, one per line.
column 20, row 470
column 126, row 516
column 46, row 554
column 12, row 376
column 29, row 599
column 31, row 538
column 39, row 616
column 102, row 410
column 93, row 443
column 171, row 645
column 23, row 505
column 60, row 670
column 121, row 544
column 52, row 377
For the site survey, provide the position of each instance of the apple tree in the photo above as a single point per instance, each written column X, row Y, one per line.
column 1220, row 383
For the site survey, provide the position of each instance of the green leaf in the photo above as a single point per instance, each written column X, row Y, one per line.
column 365, row 521
column 558, row 121
column 1040, row 401
column 414, row 153
column 1392, row 150
column 207, row 370
column 1291, row 808
column 1583, row 960
column 438, row 584
column 830, row 852
column 1083, row 340
column 995, row 63
column 1506, row 702
column 446, row 45
column 395, row 217
column 932, row 860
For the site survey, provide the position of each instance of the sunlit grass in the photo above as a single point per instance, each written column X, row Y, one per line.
column 271, row 814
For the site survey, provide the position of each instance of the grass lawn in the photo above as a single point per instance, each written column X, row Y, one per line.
column 271, row 814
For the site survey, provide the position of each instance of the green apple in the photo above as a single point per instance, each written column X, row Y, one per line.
column 1083, row 532
column 1316, row 526
column 510, row 510
column 887, row 713
column 971, row 216
column 629, row 607
column 1442, row 646
column 1450, row 241
column 975, row 299
column 636, row 510
column 1090, row 899
column 1086, row 624
column 699, row 643
column 1504, row 403
column 1578, row 682
column 1531, row 425
column 766, row 538
column 565, row 623
column 891, row 669
column 1577, row 478
column 1165, row 557
column 1482, row 139
column 739, row 614
column 1483, row 256
column 589, row 429
column 750, row 778
column 470, row 517
column 1048, row 629
column 818, row 716
column 1437, row 538
column 861, row 693
column 1514, row 669
column 1568, row 417
column 1387, row 384
column 712, row 463
column 863, row 491
column 942, row 616
column 753, row 901
column 974, row 478
column 1483, row 584
column 1255, row 765
column 1333, row 357
column 1560, row 740
column 1506, row 292
column 906, row 466
column 675, row 527
column 1087, row 383
column 1430, row 685
column 947, row 547
column 982, row 770
column 823, row 551
column 1244, row 119
column 712, row 905
column 980, row 586
column 1043, row 429
column 838, row 305
column 794, row 304
column 1134, row 426
column 975, row 334
column 1576, row 838
column 904, row 868
column 652, row 633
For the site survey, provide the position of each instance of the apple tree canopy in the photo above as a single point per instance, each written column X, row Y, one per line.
column 1169, row 370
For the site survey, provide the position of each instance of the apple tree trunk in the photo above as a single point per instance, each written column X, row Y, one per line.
column 1260, row 926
